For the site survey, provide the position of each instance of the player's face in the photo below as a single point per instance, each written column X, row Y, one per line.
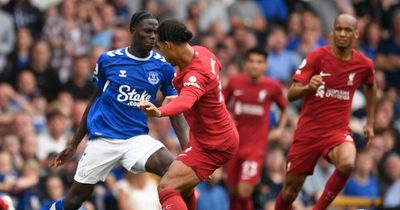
column 144, row 34
column 344, row 33
column 255, row 66
column 166, row 49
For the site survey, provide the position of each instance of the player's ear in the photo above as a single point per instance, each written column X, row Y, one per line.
column 356, row 34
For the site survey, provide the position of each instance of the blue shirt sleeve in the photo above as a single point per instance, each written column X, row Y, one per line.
column 99, row 78
column 167, row 88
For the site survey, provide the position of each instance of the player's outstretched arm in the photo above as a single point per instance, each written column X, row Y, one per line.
column 298, row 90
column 370, row 95
column 70, row 150
column 178, row 123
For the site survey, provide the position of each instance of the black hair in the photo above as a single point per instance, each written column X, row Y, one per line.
column 139, row 16
column 256, row 50
column 173, row 31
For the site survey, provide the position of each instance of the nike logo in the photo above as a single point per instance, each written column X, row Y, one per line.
column 323, row 74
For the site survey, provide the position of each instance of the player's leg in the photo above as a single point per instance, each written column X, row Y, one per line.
column 90, row 170
column 179, row 179
column 231, row 181
column 159, row 163
column 343, row 157
column 291, row 188
column 77, row 195
column 302, row 157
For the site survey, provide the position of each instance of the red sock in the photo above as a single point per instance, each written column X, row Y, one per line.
column 171, row 200
column 280, row 204
column 235, row 203
column 333, row 186
column 191, row 201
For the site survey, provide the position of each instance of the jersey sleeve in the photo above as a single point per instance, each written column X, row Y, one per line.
column 307, row 68
column 369, row 77
column 167, row 88
column 279, row 95
column 99, row 78
column 196, row 83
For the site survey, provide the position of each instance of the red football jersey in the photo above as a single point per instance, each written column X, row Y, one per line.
column 211, row 126
column 328, row 110
column 250, row 105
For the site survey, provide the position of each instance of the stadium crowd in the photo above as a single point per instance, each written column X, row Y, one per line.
column 50, row 47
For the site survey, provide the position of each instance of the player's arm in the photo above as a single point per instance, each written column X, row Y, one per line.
column 298, row 90
column 178, row 123
column 370, row 95
column 70, row 150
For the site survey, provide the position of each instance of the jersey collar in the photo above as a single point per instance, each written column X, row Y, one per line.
column 137, row 58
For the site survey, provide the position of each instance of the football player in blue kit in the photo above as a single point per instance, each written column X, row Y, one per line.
column 116, row 127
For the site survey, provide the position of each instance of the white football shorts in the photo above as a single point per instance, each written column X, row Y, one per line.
column 102, row 154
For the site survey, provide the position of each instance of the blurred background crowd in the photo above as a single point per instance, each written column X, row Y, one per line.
column 48, row 49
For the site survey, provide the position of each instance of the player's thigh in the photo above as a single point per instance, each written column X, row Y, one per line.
column 343, row 156
column 139, row 150
column 179, row 177
column 99, row 156
column 159, row 161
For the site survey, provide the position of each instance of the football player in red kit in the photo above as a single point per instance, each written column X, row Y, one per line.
column 327, row 80
column 213, row 138
column 249, row 97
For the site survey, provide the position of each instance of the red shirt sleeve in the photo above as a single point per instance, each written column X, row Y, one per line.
column 307, row 68
column 180, row 104
column 194, row 86
column 369, row 78
column 280, row 96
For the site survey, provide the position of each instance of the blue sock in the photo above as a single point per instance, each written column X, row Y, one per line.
column 58, row 205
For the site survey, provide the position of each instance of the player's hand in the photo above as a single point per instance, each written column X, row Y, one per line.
column 149, row 109
column 368, row 131
column 63, row 156
column 315, row 82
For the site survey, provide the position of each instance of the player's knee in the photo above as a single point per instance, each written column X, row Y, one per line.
column 346, row 167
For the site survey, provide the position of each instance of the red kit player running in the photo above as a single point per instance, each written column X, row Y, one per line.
column 249, row 97
column 213, row 138
column 327, row 79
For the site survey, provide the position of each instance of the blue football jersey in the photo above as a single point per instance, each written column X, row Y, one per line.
column 126, row 80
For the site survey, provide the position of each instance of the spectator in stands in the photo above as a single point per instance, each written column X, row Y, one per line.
column 362, row 182
column 137, row 192
column 392, row 168
column 54, row 190
column 55, row 139
column 281, row 61
column 11, row 144
column 103, row 36
column 47, row 78
column 7, row 40
column 370, row 40
column 26, row 15
column 7, row 173
column 80, row 85
column 211, row 195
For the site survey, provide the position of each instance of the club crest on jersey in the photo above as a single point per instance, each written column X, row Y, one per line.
column 351, row 78
column 261, row 95
column 153, row 78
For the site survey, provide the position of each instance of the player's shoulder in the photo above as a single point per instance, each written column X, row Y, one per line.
column 361, row 58
column 266, row 80
column 112, row 54
column 321, row 51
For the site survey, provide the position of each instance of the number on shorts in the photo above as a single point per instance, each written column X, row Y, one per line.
column 249, row 168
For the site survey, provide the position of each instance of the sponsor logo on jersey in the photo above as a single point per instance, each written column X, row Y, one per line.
column 250, row 109
column 192, row 81
column 130, row 96
column 122, row 73
column 332, row 93
column 153, row 78
column 351, row 79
